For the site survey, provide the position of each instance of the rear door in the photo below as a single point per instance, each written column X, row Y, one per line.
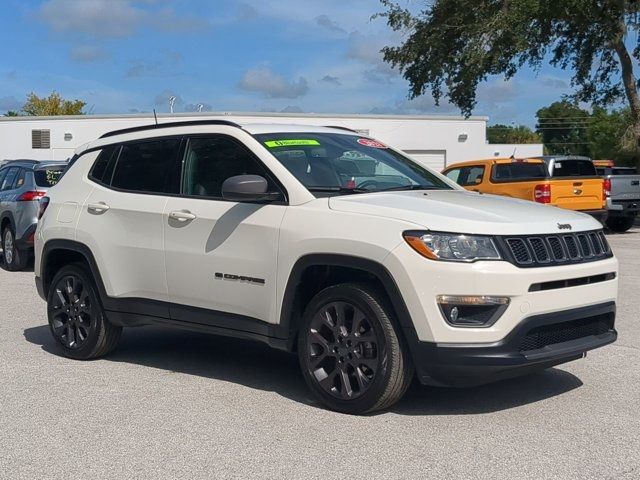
column 576, row 185
column 122, row 217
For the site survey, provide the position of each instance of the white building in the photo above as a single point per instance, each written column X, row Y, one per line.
column 436, row 141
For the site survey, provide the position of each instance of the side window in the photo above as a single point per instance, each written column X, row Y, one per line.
column 3, row 173
column 148, row 167
column 102, row 169
column 9, row 180
column 471, row 175
column 209, row 161
column 20, row 178
column 453, row 174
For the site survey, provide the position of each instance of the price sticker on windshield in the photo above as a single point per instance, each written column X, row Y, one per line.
column 371, row 143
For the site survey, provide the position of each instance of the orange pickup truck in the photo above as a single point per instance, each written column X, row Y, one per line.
column 570, row 183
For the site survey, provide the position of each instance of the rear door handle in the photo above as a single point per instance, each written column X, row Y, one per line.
column 182, row 215
column 98, row 208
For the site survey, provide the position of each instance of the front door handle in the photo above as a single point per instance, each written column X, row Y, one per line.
column 98, row 208
column 182, row 215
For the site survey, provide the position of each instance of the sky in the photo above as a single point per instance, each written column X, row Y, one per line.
column 129, row 56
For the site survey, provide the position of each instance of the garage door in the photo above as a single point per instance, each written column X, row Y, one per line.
column 435, row 159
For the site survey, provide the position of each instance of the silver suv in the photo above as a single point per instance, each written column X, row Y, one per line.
column 22, row 184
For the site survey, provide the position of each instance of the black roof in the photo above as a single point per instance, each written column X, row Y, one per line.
column 155, row 126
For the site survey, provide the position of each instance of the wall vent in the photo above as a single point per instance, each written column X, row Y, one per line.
column 40, row 138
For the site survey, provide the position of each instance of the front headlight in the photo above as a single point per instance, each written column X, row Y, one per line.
column 452, row 247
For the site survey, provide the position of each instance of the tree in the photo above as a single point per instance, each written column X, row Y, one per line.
column 509, row 134
column 563, row 128
column 12, row 113
column 453, row 45
column 54, row 104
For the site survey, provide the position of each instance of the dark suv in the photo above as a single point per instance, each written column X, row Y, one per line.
column 22, row 184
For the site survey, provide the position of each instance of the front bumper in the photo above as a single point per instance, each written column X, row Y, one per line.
column 538, row 342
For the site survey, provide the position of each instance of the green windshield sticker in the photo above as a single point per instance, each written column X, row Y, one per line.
column 290, row 143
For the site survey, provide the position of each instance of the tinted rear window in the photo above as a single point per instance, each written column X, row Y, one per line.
column 148, row 167
column 504, row 172
column 48, row 177
column 574, row 168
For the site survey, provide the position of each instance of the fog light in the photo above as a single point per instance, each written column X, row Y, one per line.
column 471, row 311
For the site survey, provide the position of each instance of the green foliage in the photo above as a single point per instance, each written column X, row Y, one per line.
column 453, row 45
column 12, row 113
column 563, row 128
column 509, row 134
column 52, row 105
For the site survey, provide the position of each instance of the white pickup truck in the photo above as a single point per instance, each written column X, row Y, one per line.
column 623, row 202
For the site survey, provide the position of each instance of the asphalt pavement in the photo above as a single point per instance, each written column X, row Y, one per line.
column 178, row 405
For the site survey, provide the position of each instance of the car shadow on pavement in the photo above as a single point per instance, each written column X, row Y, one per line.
column 257, row 366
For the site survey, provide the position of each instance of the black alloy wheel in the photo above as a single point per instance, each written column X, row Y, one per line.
column 77, row 319
column 351, row 350
column 343, row 350
column 73, row 317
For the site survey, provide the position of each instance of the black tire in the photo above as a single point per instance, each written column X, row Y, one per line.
column 76, row 318
column 14, row 259
column 353, row 362
column 620, row 224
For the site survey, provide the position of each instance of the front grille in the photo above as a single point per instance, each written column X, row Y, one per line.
column 541, row 337
column 548, row 250
column 571, row 282
column 519, row 250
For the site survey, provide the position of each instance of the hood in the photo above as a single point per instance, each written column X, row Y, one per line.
column 465, row 212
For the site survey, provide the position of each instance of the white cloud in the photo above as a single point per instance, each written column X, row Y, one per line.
column 325, row 22
column 113, row 18
column 331, row 80
column 88, row 53
column 99, row 18
column 272, row 85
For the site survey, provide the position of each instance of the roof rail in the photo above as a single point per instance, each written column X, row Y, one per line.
column 187, row 123
column 341, row 128
column 22, row 161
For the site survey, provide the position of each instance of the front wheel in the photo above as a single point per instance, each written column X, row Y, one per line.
column 351, row 354
column 620, row 224
column 76, row 317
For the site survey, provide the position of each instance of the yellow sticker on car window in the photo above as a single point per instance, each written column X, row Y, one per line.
column 290, row 143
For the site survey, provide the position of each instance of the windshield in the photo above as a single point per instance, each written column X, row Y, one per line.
column 335, row 164
column 48, row 177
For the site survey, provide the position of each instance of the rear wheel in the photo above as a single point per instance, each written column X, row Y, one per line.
column 76, row 317
column 14, row 258
column 620, row 224
column 350, row 353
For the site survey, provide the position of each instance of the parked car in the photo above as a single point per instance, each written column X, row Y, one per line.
column 22, row 184
column 570, row 185
column 323, row 242
column 623, row 202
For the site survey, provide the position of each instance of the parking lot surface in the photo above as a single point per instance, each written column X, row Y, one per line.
column 175, row 404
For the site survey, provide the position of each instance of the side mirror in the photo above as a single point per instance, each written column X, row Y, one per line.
column 247, row 188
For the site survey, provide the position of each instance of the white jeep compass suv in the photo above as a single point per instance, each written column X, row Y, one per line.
column 322, row 242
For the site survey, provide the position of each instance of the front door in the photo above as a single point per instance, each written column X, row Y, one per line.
column 221, row 256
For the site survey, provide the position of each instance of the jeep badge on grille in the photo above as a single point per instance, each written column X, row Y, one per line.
column 564, row 226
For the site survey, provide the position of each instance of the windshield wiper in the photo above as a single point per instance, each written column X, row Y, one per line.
column 411, row 187
column 339, row 189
